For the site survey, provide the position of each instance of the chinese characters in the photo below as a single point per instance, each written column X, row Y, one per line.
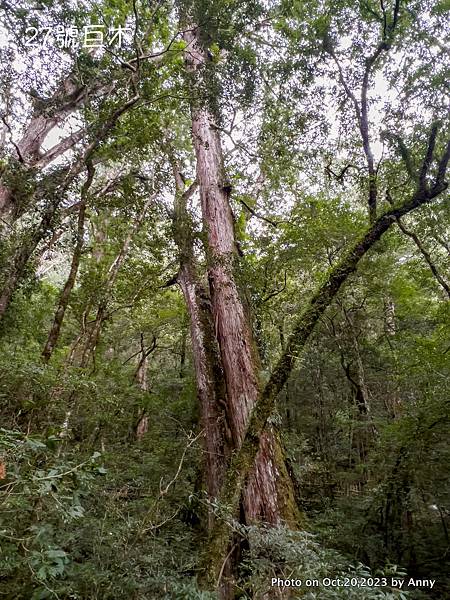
column 88, row 36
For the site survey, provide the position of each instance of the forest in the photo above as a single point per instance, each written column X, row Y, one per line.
column 224, row 299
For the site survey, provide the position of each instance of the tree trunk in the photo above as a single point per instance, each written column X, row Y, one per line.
column 107, row 286
column 141, row 378
column 183, row 341
column 210, row 382
column 242, row 461
column 211, row 390
column 58, row 187
column 140, row 375
column 68, row 287
column 269, row 494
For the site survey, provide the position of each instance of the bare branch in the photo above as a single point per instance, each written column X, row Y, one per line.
column 191, row 442
column 257, row 215
column 428, row 159
column 383, row 8
column 156, row 57
column 396, row 14
column 59, row 149
column 347, row 89
column 340, row 176
column 426, row 256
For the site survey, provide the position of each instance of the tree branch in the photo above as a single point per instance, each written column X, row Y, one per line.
column 442, row 168
column 257, row 215
column 406, row 157
column 426, row 255
column 429, row 156
column 59, row 148
column 243, row 460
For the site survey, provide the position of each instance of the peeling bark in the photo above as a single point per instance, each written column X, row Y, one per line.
column 207, row 364
column 269, row 493
column 209, row 380
column 211, row 389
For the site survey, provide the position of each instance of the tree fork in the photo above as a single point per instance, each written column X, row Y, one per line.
column 38, row 233
column 264, row 497
column 243, row 460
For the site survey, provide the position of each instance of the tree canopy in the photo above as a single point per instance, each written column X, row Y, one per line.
column 224, row 285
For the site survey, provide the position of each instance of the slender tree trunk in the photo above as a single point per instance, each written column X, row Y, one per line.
column 93, row 335
column 140, row 375
column 141, row 378
column 107, row 286
column 358, row 382
column 183, row 341
column 68, row 287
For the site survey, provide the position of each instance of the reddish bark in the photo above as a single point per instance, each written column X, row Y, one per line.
column 211, row 391
column 209, row 380
column 243, row 461
column 208, row 369
column 232, row 325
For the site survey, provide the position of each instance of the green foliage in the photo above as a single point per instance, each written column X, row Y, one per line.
column 103, row 495
column 42, row 498
column 284, row 554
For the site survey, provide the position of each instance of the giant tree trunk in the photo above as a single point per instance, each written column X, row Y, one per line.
column 210, row 382
column 211, row 390
column 269, row 494
column 209, row 379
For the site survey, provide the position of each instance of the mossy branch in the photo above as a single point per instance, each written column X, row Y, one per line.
column 242, row 461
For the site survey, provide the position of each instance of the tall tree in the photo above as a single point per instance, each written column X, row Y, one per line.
column 242, row 463
column 268, row 494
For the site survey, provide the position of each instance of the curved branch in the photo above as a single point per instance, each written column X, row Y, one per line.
column 426, row 256
column 243, row 460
